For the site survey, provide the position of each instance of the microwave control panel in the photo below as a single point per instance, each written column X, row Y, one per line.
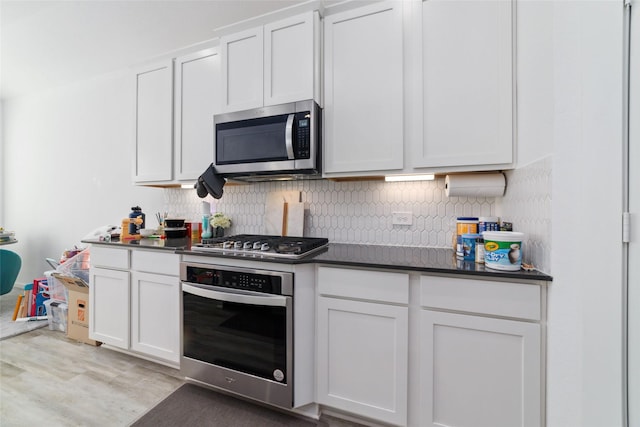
column 302, row 146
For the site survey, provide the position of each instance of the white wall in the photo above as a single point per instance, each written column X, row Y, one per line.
column 67, row 159
column 534, row 79
column 585, row 300
column 634, row 209
column 570, row 106
column 1, row 166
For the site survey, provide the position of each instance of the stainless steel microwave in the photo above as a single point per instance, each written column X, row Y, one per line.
column 274, row 142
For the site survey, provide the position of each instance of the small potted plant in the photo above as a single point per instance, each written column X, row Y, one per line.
column 219, row 222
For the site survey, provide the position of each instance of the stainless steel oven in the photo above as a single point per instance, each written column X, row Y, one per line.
column 237, row 330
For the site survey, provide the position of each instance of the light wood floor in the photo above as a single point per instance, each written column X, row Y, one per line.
column 48, row 379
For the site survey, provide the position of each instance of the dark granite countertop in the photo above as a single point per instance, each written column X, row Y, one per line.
column 427, row 260
column 146, row 243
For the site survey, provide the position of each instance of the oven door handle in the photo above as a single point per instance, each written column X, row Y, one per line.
column 271, row 300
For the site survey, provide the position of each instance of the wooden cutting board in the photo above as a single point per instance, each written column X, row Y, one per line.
column 284, row 214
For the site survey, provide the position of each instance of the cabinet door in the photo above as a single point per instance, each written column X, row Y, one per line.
column 109, row 307
column 478, row 371
column 467, row 81
column 362, row 358
column 198, row 98
column 242, row 70
column 290, row 49
column 363, row 128
column 153, row 127
column 155, row 315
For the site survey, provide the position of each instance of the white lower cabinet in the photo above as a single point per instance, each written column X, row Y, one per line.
column 472, row 347
column 155, row 321
column 363, row 345
column 109, row 306
column 478, row 371
column 134, row 301
column 481, row 365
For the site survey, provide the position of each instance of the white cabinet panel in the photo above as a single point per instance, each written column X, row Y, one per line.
column 383, row 286
column 362, row 358
column 290, row 59
column 109, row 257
column 153, row 160
column 109, row 307
column 363, row 63
column 242, row 70
column 158, row 262
column 506, row 299
column 467, row 81
column 272, row 64
column 479, row 372
column 155, row 315
column 198, row 98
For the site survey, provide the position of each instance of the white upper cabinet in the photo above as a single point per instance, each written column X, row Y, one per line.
column 197, row 99
column 271, row 64
column 242, row 70
column 363, row 77
column 467, row 85
column 292, row 59
column 153, row 158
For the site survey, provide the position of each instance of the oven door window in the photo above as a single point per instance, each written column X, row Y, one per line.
column 247, row 338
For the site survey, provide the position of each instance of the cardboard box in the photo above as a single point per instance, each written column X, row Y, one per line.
column 78, row 315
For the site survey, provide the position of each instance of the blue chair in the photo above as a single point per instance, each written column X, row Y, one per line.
column 10, row 264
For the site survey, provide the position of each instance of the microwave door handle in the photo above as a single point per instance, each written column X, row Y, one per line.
column 272, row 300
column 288, row 139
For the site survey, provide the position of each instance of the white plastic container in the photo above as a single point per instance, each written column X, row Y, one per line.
column 503, row 250
column 57, row 315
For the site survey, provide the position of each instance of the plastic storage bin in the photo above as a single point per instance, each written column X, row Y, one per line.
column 76, row 266
column 57, row 315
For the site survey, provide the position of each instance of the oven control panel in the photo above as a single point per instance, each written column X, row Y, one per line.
column 250, row 282
column 278, row 283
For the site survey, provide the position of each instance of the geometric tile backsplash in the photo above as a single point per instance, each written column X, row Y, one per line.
column 361, row 211
column 527, row 203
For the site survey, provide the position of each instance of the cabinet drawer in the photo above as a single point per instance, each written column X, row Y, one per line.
column 156, row 262
column 109, row 257
column 364, row 284
column 508, row 299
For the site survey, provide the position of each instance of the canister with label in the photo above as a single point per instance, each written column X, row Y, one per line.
column 480, row 250
column 464, row 225
column 469, row 246
column 488, row 223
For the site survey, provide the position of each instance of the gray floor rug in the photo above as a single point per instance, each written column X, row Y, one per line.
column 191, row 405
column 9, row 328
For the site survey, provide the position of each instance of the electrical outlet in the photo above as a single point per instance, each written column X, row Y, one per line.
column 401, row 218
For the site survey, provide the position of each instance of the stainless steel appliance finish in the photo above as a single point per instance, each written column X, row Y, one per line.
column 263, row 246
column 274, row 142
column 237, row 330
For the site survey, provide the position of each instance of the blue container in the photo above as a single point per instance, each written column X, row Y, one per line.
column 136, row 211
column 469, row 246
